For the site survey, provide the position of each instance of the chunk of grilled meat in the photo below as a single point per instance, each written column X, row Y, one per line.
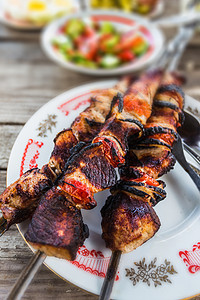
column 151, row 154
column 127, row 222
column 88, row 172
column 130, row 207
column 19, row 200
column 127, row 117
column 86, row 126
column 111, row 145
column 57, row 228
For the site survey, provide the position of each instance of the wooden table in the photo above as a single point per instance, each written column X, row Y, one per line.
column 27, row 81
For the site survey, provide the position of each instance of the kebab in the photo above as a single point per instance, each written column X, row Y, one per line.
column 128, row 217
column 20, row 199
column 47, row 231
column 93, row 168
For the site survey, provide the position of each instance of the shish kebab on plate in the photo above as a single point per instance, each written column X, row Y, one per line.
column 19, row 199
column 150, row 156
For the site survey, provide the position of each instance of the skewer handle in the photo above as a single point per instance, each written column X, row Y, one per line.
column 26, row 276
column 110, row 276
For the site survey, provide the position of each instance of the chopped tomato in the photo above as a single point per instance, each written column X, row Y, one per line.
column 148, row 180
column 79, row 192
column 126, row 41
column 107, row 147
column 126, row 55
column 87, row 46
column 138, row 41
column 89, row 31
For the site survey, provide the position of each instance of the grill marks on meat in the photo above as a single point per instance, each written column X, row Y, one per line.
column 85, row 126
column 88, row 175
column 63, row 142
column 19, row 200
column 127, row 118
column 128, row 219
column 57, row 227
column 89, row 172
column 152, row 153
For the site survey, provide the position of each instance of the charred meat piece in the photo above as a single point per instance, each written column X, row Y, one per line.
column 128, row 219
column 20, row 199
column 128, row 115
column 88, row 172
column 63, row 143
column 145, row 192
column 57, row 228
column 88, row 124
column 152, row 153
column 127, row 222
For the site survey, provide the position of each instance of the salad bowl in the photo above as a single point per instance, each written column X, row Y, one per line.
column 117, row 58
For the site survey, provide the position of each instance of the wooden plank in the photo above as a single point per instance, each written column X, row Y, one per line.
column 7, row 34
column 31, row 80
column 15, row 254
column 8, row 135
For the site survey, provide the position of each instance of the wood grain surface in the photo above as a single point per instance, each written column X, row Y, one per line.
column 27, row 81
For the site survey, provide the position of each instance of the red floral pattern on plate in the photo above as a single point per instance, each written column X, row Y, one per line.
column 192, row 258
column 30, row 155
column 93, row 262
column 75, row 103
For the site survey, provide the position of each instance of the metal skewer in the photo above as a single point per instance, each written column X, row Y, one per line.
column 26, row 276
column 173, row 54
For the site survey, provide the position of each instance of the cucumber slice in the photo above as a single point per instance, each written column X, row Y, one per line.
column 63, row 42
column 107, row 27
column 109, row 61
column 74, row 28
column 141, row 49
column 112, row 42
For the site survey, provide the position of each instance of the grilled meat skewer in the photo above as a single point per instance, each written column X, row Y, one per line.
column 92, row 169
column 43, row 231
column 128, row 217
column 100, row 173
column 21, row 198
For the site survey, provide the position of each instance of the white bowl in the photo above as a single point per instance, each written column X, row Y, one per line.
column 120, row 20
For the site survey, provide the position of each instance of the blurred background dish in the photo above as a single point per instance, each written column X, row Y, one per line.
column 148, row 8
column 102, row 42
column 34, row 14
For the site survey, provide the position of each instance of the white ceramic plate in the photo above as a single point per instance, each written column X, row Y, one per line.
column 120, row 20
column 166, row 267
column 23, row 25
